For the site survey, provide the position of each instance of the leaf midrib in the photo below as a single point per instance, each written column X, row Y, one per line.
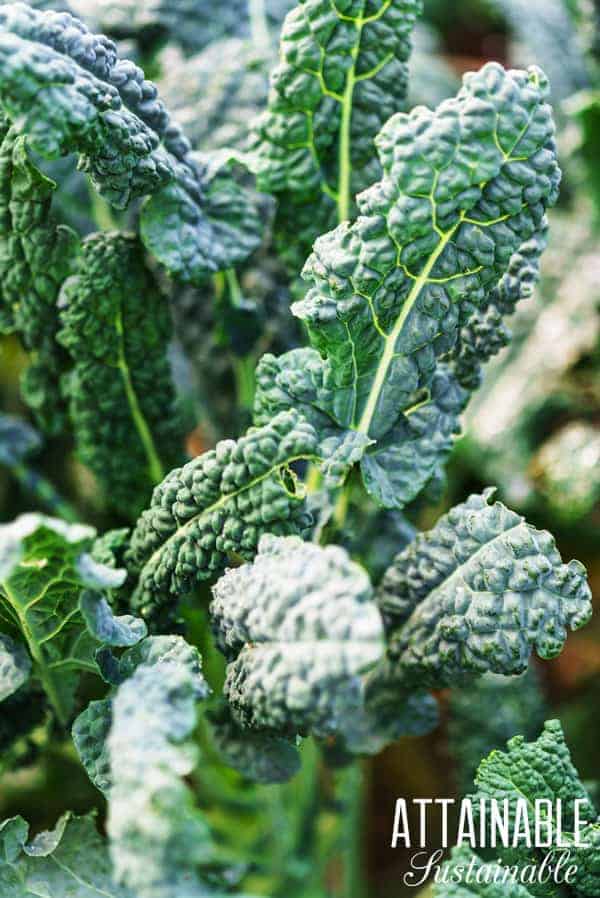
column 154, row 558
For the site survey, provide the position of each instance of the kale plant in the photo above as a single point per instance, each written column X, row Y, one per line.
column 251, row 615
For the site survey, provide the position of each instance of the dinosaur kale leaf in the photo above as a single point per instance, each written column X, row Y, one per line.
column 70, row 860
column 343, row 72
column 157, row 837
column 447, row 233
column 116, row 327
column 51, row 600
column 203, row 222
column 480, row 592
column 92, row 727
column 529, row 772
column 69, row 92
column 300, row 627
column 36, row 255
column 217, row 505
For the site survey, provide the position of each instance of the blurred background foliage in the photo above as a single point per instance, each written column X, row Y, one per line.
column 533, row 429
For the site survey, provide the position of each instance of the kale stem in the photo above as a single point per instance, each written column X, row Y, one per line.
column 354, row 874
column 243, row 369
column 342, row 504
column 155, row 468
column 235, row 291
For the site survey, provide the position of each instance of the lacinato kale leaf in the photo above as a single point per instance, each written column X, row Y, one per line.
column 116, row 327
column 52, row 601
column 479, row 592
column 70, row 93
column 36, row 255
column 217, row 505
column 393, row 309
column 342, row 74
column 157, row 837
column 299, row 626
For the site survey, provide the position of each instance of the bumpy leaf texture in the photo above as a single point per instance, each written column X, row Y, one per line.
column 92, row 727
column 454, row 226
column 480, row 592
column 217, row 505
column 70, row 93
column 526, row 772
column 36, row 255
column 51, row 599
column 482, row 329
column 157, row 838
column 299, row 626
column 342, row 74
column 544, row 769
column 71, row 861
column 116, row 326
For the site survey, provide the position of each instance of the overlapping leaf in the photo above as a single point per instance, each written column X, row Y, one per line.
column 36, row 255
column 157, row 838
column 92, row 727
column 218, row 504
column 116, row 327
column 51, row 598
column 480, row 592
column 342, row 73
column 70, row 93
column 299, row 627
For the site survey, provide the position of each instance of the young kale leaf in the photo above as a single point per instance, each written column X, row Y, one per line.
column 343, row 73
